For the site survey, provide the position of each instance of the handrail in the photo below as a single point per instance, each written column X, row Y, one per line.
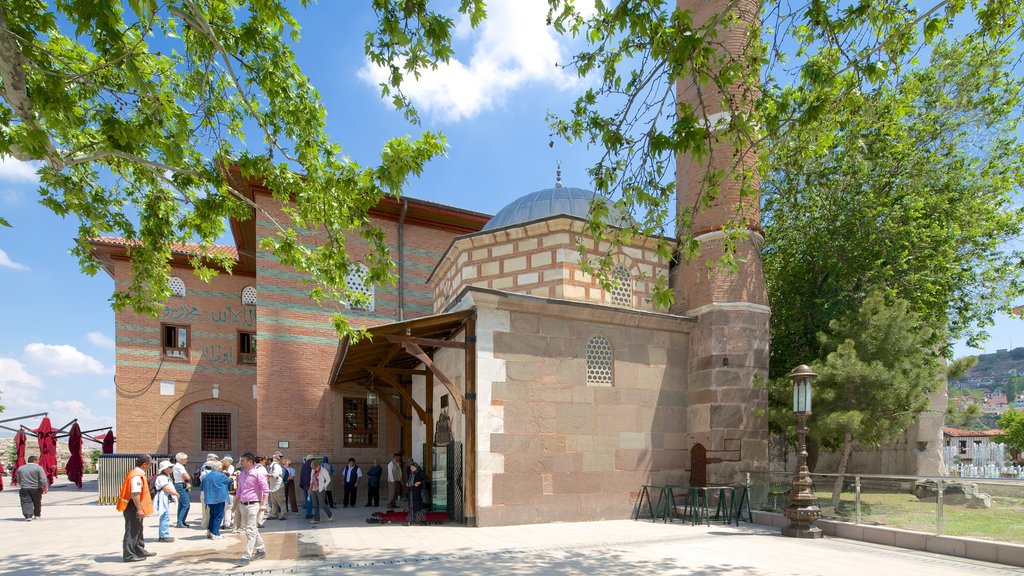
column 891, row 476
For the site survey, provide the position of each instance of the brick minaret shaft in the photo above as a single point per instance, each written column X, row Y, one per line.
column 730, row 345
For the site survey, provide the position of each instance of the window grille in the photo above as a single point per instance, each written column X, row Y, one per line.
column 356, row 282
column 216, row 432
column 600, row 362
column 177, row 286
column 360, row 423
column 249, row 296
column 622, row 290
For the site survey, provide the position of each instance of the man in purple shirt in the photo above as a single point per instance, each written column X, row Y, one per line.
column 250, row 499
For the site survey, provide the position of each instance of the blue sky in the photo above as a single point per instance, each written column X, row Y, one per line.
column 57, row 352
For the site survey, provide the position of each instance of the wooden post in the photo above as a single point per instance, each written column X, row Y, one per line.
column 428, row 453
column 406, row 432
column 469, row 505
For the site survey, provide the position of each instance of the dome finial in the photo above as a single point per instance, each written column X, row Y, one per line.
column 558, row 175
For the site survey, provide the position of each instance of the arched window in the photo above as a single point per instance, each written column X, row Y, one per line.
column 249, row 296
column 356, row 282
column 177, row 286
column 600, row 362
column 622, row 291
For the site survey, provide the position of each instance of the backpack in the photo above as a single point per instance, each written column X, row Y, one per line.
column 152, row 486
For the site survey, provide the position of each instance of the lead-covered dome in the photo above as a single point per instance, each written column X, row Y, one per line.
column 557, row 201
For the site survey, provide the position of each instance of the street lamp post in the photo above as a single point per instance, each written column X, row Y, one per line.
column 802, row 510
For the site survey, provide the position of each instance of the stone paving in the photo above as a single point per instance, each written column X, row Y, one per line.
column 76, row 536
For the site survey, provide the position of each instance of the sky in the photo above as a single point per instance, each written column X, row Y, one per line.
column 57, row 347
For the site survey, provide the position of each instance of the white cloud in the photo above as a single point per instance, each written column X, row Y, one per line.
column 513, row 47
column 6, row 262
column 18, row 388
column 61, row 360
column 22, row 392
column 100, row 339
column 14, row 170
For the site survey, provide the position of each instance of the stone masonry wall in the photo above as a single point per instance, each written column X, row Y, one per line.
column 553, row 448
column 541, row 259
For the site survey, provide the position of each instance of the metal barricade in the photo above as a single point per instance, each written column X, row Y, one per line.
column 112, row 470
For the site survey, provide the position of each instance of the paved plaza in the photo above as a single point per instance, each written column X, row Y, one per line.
column 77, row 536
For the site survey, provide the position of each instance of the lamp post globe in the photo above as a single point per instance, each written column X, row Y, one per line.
column 802, row 510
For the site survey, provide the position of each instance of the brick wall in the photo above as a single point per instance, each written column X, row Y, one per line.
column 146, row 419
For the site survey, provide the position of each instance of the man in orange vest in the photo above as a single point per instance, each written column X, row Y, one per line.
column 135, row 502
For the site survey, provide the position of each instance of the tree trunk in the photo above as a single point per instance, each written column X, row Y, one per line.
column 843, row 462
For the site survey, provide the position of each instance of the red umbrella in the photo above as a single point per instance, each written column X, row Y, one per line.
column 19, row 444
column 74, row 467
column 47, row 437
column 108, row 442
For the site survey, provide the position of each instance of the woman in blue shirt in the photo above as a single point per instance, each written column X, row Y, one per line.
column 215, row 486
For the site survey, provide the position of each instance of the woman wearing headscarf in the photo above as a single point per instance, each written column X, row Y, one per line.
column 417, row 478
column 163, row 488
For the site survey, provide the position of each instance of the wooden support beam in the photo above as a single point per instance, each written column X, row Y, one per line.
column 420, row 355
column 404, row 371
column 391, row 407
column 405, row 394
column 433, row 342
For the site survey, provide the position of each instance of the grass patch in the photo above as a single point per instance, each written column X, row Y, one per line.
column 1001, row 522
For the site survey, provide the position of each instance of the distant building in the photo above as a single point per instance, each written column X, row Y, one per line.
column 967, row 443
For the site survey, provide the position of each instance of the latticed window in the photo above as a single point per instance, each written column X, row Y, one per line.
column 622, row 290
column 360, row 423
column 249, row 296
column 599, row 362
column 177, row 286
column 216, row 432
column 356, row 282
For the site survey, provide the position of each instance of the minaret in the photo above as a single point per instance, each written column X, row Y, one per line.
column 729, row 346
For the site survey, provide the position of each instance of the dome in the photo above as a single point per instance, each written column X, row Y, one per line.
column 557, row 201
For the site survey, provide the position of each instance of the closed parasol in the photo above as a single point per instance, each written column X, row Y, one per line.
column 108, row 442
column 19, row 445
column 74, row 467
column 1, row 476
column 47, row 437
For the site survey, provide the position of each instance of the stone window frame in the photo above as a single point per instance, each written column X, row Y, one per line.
column 177, row 286
column 599, row 375
column 623, row 291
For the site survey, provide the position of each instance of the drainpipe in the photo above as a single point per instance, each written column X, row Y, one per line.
column 401, row 260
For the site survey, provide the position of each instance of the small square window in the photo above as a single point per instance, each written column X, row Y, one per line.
column 175, row 341
column 246, row 348
column 216, row 432
column 360, row 423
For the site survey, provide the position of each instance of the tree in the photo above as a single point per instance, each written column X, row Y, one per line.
column 144, row 107
column 967, row 417
column 147, row 108
column 908, row 189
column 880, row 366
column 1014, row 385
column 795, row 71
column 1011, row 423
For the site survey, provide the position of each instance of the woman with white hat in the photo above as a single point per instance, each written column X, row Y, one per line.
column 163, row 489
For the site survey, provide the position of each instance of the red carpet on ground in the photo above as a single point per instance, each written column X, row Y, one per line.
column 399, row 517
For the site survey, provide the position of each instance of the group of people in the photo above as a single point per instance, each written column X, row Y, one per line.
column 141, row 496
column 244, row 498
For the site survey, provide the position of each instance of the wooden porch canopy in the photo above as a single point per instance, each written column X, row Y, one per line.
column 407, row 348
column 400, row 349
